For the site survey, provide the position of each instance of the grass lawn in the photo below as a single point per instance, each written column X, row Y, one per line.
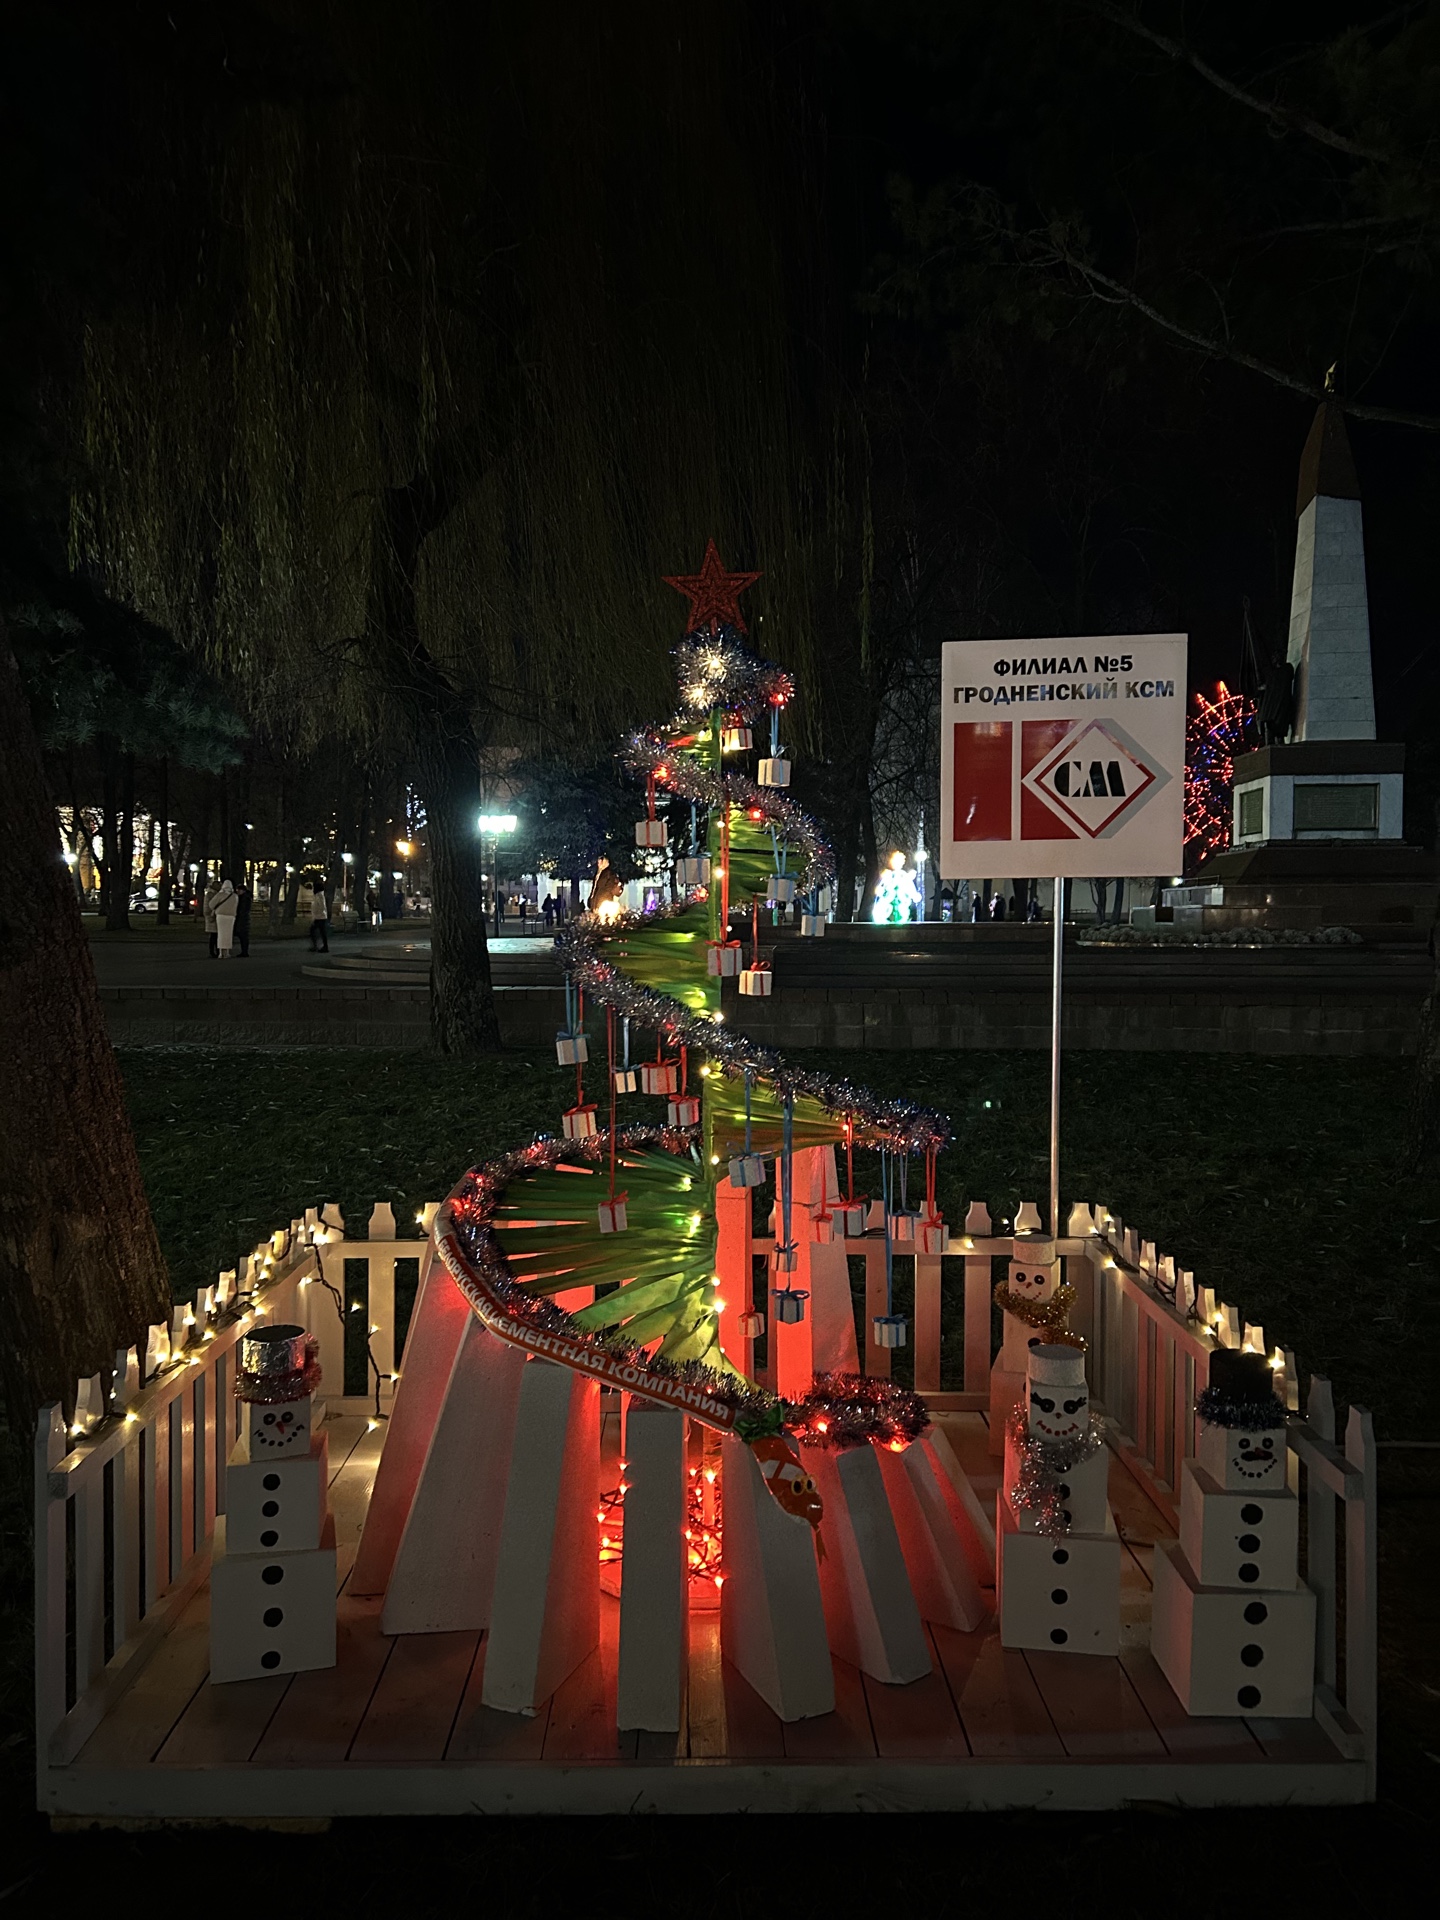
column 1276, row 1180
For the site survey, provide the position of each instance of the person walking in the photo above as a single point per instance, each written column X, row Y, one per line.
column 547, row 913
column 524, row 916
column 227, row 904
column 244, row 899
column 319, row 921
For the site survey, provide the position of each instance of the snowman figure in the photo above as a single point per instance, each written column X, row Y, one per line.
column 1233, row 1630
column 272, row 1575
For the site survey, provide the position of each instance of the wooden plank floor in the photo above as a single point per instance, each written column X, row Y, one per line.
column 416, row 1701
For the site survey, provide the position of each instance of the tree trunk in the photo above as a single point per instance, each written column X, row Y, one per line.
column 162, row 911
column 463, row 1015
column 872, row 855
column 81, row 1272
column 360, row 872
column 277, row 872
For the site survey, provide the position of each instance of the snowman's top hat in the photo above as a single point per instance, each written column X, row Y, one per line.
column 277, row 1363
column 1240, row 1392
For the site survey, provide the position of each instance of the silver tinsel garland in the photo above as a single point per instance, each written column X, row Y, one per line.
column 1044, row 1465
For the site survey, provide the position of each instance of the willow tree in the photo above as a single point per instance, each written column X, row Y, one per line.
column 434, row 357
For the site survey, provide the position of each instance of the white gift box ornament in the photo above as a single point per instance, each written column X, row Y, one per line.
column 723, row 959
column 651, row 833
column 850, row 1216
column 934, row 1235
column 784, row 1260
column 578, row 1122
column 902, row 1227
column 824, row 1224
column 625, row 1079
column 613, row 1214
column 774, row 772
column 751, row 1325
column 571, row 1049
column 693, row 870
column 747, row 1170
column 812, row 926
column 781, row 890
column 659, row 1076
column 757, row 982
column 736, row 739
column 789, row 1305
column 683, row 1110
column 889, row 1329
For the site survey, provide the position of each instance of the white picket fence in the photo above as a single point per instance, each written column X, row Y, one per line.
column 126, row 1494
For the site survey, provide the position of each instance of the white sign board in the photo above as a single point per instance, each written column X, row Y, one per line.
column 1062, row 757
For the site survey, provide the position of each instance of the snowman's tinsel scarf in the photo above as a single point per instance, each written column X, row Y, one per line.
column 1044, row 1465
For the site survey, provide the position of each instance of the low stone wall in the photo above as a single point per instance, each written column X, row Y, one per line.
column 1303, row 1000
column 1300, row 1000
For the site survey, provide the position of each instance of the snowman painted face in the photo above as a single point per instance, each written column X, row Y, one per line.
column 1059, row 1413
column 280, row 1428
column 1031, row 1282
column 1256, row 1459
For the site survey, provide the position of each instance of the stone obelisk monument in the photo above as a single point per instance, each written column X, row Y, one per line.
column 1318, row 813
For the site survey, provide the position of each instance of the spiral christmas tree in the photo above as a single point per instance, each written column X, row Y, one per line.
column 598, row 1248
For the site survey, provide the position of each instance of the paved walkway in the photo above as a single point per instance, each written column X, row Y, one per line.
column 173, row 960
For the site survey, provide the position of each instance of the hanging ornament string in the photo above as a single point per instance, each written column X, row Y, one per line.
column 749, row 1083
column 849, row 1160
column 725, row 869
column 774, row 729
column 930, row 1213
column 887, row 1195
column 684, row 1067
column 610, row 1049
column 626, row 1041
column 650, row 794
column 755, row 932
column 787, row 1177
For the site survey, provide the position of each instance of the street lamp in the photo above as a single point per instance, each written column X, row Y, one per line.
column 497, row 824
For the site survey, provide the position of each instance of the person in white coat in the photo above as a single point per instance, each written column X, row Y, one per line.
column 227, row 905
column 218, row 891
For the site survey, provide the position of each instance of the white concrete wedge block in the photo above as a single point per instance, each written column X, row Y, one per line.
column 440, row 1318
column 870, row 1608
column 976, row 1527
column 941, row 1576
column 654, row 1611
column 545, row 1615
column 772, row 1618
column 444, row 1572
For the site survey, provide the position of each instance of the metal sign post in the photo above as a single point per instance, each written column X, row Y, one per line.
column 1057, row 957
column 1063, row 757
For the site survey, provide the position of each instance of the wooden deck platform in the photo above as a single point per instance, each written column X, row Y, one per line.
column 397, row 1726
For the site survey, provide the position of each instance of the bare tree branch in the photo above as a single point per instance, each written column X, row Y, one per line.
column 1118, row 293
column 1289, row 119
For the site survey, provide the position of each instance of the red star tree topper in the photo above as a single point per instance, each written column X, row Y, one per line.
column 714, row 594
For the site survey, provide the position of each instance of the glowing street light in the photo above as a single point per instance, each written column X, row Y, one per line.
column 496, row 824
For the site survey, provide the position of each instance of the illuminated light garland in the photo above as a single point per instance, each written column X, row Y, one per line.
column 1044, row 1466
column 844, row 1410
column 1218, row 730
column 717, row 670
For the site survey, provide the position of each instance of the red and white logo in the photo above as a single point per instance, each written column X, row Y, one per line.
column 1092, row 778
